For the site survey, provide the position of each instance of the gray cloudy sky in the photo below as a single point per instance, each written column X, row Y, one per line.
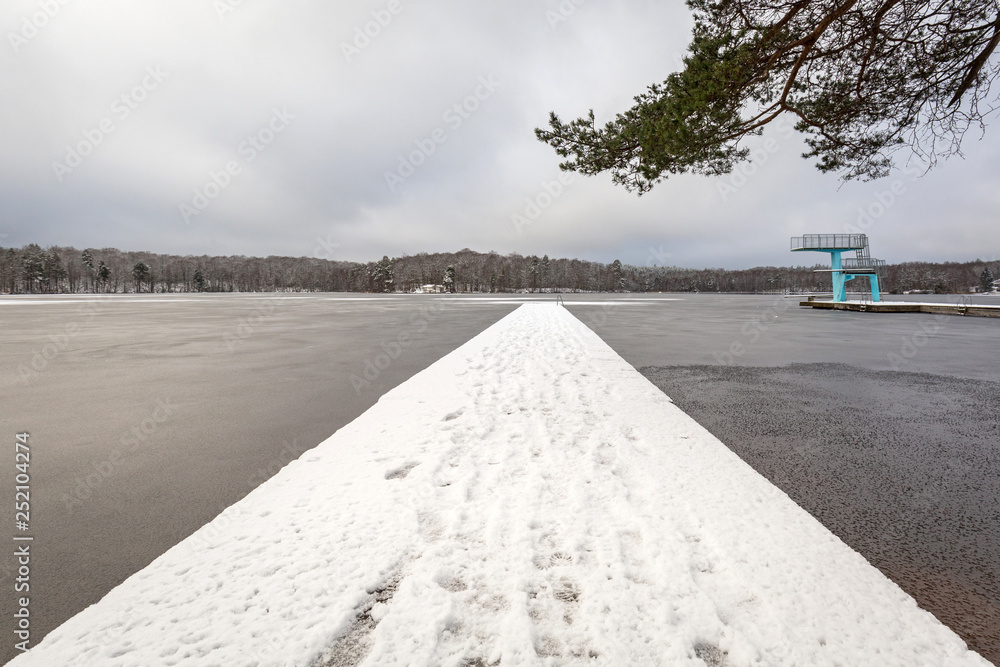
column 269, row 127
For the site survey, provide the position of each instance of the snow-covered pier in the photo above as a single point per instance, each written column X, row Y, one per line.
column 529, row 499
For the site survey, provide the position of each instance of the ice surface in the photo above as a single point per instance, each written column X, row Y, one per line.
column 529, row 499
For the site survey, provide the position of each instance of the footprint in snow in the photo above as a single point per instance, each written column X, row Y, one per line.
column 353, row 646
column 711, row 655
column 430, row 526
column 565, row 590
column 555, row 560
column 547, row 646
column 402, row 471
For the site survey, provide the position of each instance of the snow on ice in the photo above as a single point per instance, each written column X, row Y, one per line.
column 529, row 499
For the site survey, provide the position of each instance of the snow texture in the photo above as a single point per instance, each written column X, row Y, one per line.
column 529, row 499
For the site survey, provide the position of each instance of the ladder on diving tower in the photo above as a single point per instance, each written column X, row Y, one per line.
column 862, row 265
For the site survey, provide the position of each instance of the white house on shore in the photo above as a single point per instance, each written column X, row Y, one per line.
column 429, row 289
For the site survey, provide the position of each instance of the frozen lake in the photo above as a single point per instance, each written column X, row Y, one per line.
column 149, row 415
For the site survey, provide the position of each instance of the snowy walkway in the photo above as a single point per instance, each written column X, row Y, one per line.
column 530, row 499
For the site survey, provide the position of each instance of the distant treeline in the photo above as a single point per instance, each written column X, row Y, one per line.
column 32, row 269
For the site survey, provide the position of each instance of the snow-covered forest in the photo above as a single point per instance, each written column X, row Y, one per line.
column 54, row 270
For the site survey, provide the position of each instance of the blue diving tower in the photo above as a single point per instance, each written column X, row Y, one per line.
column 844, row 269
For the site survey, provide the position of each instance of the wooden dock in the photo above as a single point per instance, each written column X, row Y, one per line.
column 974, row 310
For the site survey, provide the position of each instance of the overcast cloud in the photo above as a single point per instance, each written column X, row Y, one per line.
column 262, row 127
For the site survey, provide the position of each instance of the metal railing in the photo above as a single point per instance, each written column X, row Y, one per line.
column 863, row 265
column 830, row 241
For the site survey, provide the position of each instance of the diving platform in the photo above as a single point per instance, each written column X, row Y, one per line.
column 862, row 265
